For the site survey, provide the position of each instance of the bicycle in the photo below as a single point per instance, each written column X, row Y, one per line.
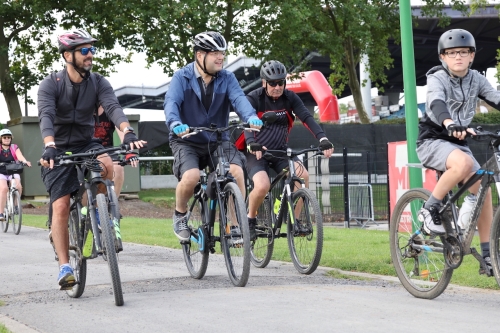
column 412, row 248
column 304, row 228
column 218, row 189
column 94, row 227
column 13, row 211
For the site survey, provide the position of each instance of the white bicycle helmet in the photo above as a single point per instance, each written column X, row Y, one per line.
column 6, row 132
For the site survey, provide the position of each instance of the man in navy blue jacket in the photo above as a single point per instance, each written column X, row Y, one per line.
column 200, row 94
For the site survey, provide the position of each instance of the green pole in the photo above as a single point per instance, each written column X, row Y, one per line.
column 410, row 88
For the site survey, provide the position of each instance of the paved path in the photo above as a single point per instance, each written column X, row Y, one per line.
column 160, row 297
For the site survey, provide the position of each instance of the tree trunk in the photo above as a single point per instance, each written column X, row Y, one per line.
column 7, row 85
column 350, row 64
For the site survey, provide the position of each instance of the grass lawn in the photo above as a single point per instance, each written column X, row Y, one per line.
column 355, row 250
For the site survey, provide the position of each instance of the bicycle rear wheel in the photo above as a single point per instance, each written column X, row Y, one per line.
column 76, row 260
column 305, row 234
column 5, row 224
column 108, row 245
column 16, row 217
column 262, row 247
column 236, row 247
column 417, row 258
column 195, row 251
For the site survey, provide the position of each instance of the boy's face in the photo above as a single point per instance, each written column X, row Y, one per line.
column 458, row 59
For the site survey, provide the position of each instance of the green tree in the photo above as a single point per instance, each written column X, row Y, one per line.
column 27, row 47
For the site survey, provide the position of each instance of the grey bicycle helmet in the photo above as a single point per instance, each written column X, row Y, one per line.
column 71, row 39
column 456, row 38
column 209, row 41
column 273, row 70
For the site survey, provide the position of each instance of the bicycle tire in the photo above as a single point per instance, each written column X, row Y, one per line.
column 236, row 252
column 495, row 246
column 17, row 212
column 262, row 247
column 76, row 260
column 306, row 244
column 108, row 245
column 196, row 254
column 115, row 217
column 5, row 224
column 425, row 283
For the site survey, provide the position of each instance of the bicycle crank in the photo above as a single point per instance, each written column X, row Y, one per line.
column 453, row 252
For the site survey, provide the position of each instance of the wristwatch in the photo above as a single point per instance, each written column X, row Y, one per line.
column 128, row 129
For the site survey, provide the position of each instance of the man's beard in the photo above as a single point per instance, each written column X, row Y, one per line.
column 84, row 68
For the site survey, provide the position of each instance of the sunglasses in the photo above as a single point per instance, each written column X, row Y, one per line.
column 85, row 50
column 280, row 83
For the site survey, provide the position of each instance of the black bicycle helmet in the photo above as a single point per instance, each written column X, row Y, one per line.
column 456, row 38
column 273, row 70
column 71, row 39
column 209, row 41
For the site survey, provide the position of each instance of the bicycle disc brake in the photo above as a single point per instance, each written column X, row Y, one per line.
column 453, row 252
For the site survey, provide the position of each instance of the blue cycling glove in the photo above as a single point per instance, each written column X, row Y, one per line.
column 180, row 129
column 255, row 121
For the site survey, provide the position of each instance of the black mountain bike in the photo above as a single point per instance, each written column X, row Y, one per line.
column 94, row 228
column 298, row 212
column 425, row 263
column 218, row 190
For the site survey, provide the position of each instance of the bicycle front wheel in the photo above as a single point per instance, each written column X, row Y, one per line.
column 263, row 246
column 305, row 234
column 195, row 251
column 5, row 224
column 16, row 216
column 495, row 246
column 76, row 260
column 108, row 245
column 417, row 258
column 235, row 244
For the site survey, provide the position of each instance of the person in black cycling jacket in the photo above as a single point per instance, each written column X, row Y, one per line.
column 274, row 97
column 67, row 101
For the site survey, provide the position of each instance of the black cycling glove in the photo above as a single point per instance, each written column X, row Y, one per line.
column 49, row 154
column 254, row 146
column 325, row 145
column 132, row 157
column 455, row 128
column 129, row 137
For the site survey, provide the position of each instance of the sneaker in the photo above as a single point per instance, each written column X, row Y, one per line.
column 488, row 264
column 181, row 229
column 16, row 210
column 431, row 220
column 2, row 217
column 66, row 276
column 235, row 235
column 301, row 229
column 251, row 226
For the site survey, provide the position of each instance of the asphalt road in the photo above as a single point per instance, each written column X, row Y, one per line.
column 161, row 297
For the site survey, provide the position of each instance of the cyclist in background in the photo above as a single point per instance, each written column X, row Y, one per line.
column 10, row 153
column 67, row 102
column 274, row 97
column 200, row 94
column 453, row 90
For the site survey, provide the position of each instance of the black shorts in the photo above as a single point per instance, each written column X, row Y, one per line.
column 277, row 163
column 189, row 156
column 63, row 180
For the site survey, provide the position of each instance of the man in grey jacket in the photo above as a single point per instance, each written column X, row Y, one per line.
column 67, row 102
column 453, row 90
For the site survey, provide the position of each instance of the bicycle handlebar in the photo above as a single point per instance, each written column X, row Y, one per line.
column 196, row 130
column 291, row 152
column 69, row 159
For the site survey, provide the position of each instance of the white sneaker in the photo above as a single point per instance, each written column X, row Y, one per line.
column 431, row 220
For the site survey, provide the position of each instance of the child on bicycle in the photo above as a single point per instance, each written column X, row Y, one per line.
column 274, row 97
column 10, row 153
column 453, row 90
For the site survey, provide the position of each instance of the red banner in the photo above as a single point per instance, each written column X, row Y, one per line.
column 398, row 174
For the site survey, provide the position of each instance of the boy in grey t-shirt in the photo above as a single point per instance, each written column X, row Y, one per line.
column 453, row 90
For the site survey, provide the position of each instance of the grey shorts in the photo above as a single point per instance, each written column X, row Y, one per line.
column 277, row 163
column 63, row 180
column 434, row 153
column 189, row 156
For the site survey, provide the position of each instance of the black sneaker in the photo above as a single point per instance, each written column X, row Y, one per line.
column 488, row 264
column 301, row 229
column 252, row 222
column 235, row 234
